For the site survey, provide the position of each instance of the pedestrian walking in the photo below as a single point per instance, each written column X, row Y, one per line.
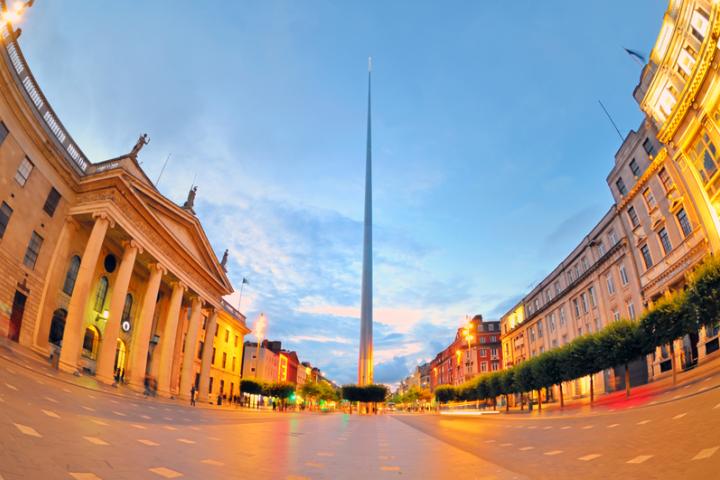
column 192, row 396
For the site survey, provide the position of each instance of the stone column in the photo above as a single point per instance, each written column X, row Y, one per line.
column 207, row 357
column 143, row 328
column 187, row 376
column 167, row 340
column 73, row 333
column 106, row 355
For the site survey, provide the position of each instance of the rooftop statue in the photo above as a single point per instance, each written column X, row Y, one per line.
column 142, row 141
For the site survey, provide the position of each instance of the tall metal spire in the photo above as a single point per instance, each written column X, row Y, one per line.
column 365, row 361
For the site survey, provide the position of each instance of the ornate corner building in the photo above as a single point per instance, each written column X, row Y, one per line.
column 665, row 184
column 97, row 267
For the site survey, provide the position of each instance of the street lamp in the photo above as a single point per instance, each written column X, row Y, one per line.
column 14, row 13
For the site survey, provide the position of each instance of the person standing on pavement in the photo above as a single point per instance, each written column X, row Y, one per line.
column 192, row 395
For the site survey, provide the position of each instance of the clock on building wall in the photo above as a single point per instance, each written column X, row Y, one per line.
column 125, row 325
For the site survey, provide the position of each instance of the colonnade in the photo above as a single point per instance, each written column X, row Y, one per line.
column 143, row 323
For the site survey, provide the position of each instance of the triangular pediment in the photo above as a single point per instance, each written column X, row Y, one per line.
column 185, row 228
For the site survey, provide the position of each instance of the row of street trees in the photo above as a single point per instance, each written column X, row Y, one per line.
column 365, row 394
column 617, row 345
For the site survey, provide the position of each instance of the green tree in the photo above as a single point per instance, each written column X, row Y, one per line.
column 507, row 381
column 619, row 344
column 251, row 387
column 524, row 378
column 703, row 296
column 668, row 320
column 445, row 393
column 547, row 372
column 583, row 358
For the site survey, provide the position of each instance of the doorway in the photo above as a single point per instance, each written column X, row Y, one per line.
column 57, row 327
column 120, row 358
column 16, row 317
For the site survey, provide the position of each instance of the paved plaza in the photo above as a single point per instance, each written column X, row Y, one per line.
column 51, row 427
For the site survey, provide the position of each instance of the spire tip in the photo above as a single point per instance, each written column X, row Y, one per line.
column 369, row 64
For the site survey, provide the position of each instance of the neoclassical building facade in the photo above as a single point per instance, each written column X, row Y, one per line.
column 98, row 267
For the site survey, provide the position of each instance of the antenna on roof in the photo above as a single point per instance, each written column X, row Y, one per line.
column 162, row 170
column 611, row 121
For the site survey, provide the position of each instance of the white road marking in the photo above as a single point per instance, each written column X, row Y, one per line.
column 679, row 416
column 11, row 387
column 133, row 404
column 92, row 396
column 587, row 427
column 506, row 444
column 566, row 427
column 96, row 440
column 553, row 452
column 613, row 425
column 325, row 454
column 640, row 459
column 168, row 427
column 653, row 402
column 702, row 389
column 139, row 427
column 489, row 441
column 185, row 440
column 166, row 472
column 89, row 409
column 524, row 449
column 28, row 430
column 532, row 427
column 676, row 397
column 706, row 453
column 99, row 422
column 587, row 458
column 642, row 422
column 84, row 476
column 146, row 417
column 119, row 414
column 315, row 464
column 10, row 370
column 50, row 413
column 547, row 428
column 114, row 401
column 716, row 406
column 50, row 399
column 149, row 443
column 67, row 390
column 215, row 463
column 169, row 419
column 389, row 468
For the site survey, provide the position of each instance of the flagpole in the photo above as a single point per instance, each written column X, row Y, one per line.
column 242, row 285
column 611, row 121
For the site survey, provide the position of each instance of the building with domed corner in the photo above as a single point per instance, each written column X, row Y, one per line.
column 99, row 269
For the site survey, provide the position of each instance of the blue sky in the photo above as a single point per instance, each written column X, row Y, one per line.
column 490, row 149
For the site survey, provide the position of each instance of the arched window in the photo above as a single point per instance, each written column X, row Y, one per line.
column 101, row 294
column 71, row 275
column 127, row 308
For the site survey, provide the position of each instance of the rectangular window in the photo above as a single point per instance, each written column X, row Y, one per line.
column 233, row 364
column 23, row 171
column 5, row 214
column 565, row 339
column 557, row 288
column 483, row 352
column 647, row 259
column 213, row 357
column 665, row 179
column 551, row 322
column 200, row 350
column 601, row 248
column 593, row 300
column 3, row 132
column 681, row 217
column 610, row 284
column 494, row 352
column 224, row 360
column 51, row 202
column 634, row 168
column 612, row 236
column 623, row 275
column 562, row 316
column 577, row 307
column 227, row 335
column 665, row 240
column 648, row 146
column 236, row 340
column 540, row 329
column 705, row 157
column 585, row 264
column 531, row 331
column 584, row 299
column 616, row 314
column 631, row 310
column 632, row 215
column 699, row 24
column 620, row 184
column 649, row 199
column 483, row 366
column 33, row 250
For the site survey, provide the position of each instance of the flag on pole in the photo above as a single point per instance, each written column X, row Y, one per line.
column 245, row 282
column 637, row 56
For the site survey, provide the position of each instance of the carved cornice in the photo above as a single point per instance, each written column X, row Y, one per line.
column 692, row 87
column 642, row 181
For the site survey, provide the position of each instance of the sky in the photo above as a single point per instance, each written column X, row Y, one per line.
column 490, row 150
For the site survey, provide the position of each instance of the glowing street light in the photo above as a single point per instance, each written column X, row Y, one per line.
column 15, row 12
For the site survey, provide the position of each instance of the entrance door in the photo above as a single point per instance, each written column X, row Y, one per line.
column 120, row 356
column 16, row 316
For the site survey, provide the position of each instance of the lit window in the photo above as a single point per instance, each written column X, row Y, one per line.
column 101, row 294
column 684, row 222
column 686, row 61
column 23, row 171
column 705, row 157
column 5, row 214
column 33, row 250
column 699, row 23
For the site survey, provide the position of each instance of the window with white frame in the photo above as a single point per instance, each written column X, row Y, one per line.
column 612, row 236
column 593, row 300
column 623, row 275
column 23, row 171
column 584, row 300
column 577, row 307
column 610, row 283
column 616, row 314
column 631, row 310
column 649, row 198
column 562, row 316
